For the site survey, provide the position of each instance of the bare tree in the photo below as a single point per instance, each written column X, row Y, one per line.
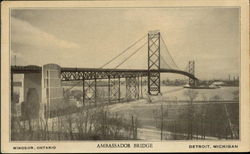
column 191, row 94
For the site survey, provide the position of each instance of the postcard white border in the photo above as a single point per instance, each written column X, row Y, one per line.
column 91, row 146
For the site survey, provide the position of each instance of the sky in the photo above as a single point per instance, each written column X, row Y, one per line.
column 89, row 37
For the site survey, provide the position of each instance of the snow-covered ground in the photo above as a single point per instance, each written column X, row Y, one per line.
column 153, row 134
column 143, row 110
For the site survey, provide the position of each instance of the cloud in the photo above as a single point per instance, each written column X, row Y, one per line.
column 24, row 33
column 207, row 35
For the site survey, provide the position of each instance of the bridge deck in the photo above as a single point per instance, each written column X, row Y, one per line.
column 70, row 73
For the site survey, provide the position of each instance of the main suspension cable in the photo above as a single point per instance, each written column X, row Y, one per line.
column 164, row 61
column 123, row 51
column 169, row 52
column 131, row 55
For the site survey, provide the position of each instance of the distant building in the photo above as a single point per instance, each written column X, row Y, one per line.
column 218, row 83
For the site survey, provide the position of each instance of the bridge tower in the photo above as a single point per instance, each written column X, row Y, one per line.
column 191, row 70
column 154, row 63
column 52, row 91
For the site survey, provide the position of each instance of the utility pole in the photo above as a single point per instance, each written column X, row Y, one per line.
column 119, row 89
column 162, row 120
column 83, row 91
column 191, row 120
column 15, row 60
column 95, row 91
column 109, row 90
column 141, row 88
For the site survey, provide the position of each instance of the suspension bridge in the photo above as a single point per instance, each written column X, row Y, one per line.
column 46, row 80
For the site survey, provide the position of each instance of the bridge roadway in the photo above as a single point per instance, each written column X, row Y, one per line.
column 71, row 74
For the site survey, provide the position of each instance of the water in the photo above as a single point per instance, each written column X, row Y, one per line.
column 177, row 92
column 173, row 92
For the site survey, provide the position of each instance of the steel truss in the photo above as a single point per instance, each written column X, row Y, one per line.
column 100, row 93
column 132, row 88
column 89, row 91
column 144, row 89
column 71, row 75
column 154, row 63
column 191, row 70
column 114, row 89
